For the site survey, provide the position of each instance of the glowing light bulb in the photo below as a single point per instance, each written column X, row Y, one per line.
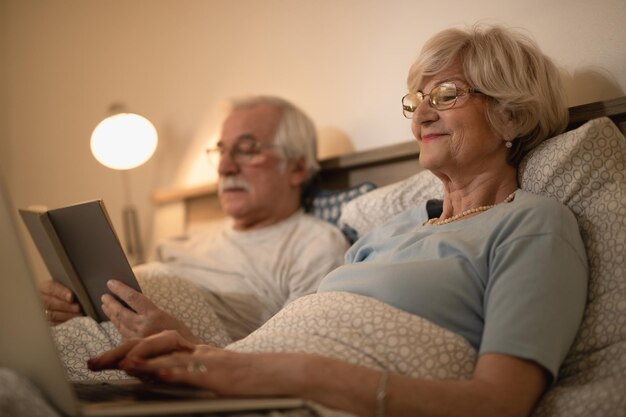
column 124, row 141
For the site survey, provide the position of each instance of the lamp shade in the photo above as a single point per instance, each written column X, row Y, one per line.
column 123, row 141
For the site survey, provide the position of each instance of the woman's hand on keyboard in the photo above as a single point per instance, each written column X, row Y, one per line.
column 137, row 350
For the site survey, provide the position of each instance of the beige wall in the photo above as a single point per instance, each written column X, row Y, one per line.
column 343, row 61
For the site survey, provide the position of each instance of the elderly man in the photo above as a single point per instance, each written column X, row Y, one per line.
column 267, row 253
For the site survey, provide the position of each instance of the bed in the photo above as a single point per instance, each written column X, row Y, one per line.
column 585, row 168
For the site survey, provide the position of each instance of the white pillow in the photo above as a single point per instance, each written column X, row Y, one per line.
column 376, row 207
column 585, row 169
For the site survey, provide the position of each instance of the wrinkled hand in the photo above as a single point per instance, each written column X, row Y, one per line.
column 146, row 320
column 223, row 372
column 169, row 357
column 59, row 302
column 138, row 349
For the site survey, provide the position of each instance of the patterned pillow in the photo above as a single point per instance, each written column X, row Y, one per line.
column 585, row 169
column 375, row 208
column 328, row 205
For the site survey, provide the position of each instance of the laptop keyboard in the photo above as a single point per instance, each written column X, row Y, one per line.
column 136, row 391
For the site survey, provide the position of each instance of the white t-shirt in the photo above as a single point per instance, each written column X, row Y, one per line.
column 248, row 276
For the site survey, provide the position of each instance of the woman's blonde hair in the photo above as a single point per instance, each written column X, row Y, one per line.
column 526, row 102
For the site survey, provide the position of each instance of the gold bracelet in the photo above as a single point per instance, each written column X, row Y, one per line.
column 381, row 395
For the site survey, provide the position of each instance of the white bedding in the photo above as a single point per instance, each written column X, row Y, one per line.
column 345, row 326
column 364, row 331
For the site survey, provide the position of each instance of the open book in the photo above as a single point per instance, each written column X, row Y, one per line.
column 81, row 251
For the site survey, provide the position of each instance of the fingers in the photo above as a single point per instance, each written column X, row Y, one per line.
column 61, row 305
column 136, row 300
column 56, row 290
column 112, row 358
column 140, row 349
column 122, row 318
column 113, row 309
column 220, row 371
column 131, row 324
column 160, row 344
column 58, row 317
column 59, row 302
column 144, row 320
column 179, row 368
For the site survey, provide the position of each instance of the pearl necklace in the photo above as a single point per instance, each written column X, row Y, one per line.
column 438, row 222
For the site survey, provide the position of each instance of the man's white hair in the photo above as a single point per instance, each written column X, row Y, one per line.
column 295, row 133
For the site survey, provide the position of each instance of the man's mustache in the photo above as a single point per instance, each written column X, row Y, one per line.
column 233, row 182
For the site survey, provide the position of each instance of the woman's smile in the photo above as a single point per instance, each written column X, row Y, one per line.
column 429, row 137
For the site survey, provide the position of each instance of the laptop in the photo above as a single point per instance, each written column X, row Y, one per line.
column 27, row 347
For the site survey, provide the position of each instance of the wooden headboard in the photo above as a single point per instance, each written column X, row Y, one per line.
column 381, row 166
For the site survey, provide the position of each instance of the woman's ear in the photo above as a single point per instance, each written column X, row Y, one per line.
column 298, row 172
column 509, row 123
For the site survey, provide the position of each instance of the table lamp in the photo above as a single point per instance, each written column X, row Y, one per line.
column 124, row 141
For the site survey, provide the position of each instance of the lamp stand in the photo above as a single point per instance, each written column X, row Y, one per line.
column 132, row 236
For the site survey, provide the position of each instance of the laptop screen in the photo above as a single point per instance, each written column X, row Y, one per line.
column 27, row 346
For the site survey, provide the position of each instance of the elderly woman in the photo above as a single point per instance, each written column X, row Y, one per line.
column 501, row 270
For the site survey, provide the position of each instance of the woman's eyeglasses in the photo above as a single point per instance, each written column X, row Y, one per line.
column 441, row 97
column 246, row 151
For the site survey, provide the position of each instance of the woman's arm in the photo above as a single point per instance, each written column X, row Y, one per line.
column 500, row 386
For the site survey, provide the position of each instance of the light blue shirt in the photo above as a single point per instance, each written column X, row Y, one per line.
column 511, row 280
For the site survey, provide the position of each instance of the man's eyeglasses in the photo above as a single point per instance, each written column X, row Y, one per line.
column 441, row 97
column 246, row 151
